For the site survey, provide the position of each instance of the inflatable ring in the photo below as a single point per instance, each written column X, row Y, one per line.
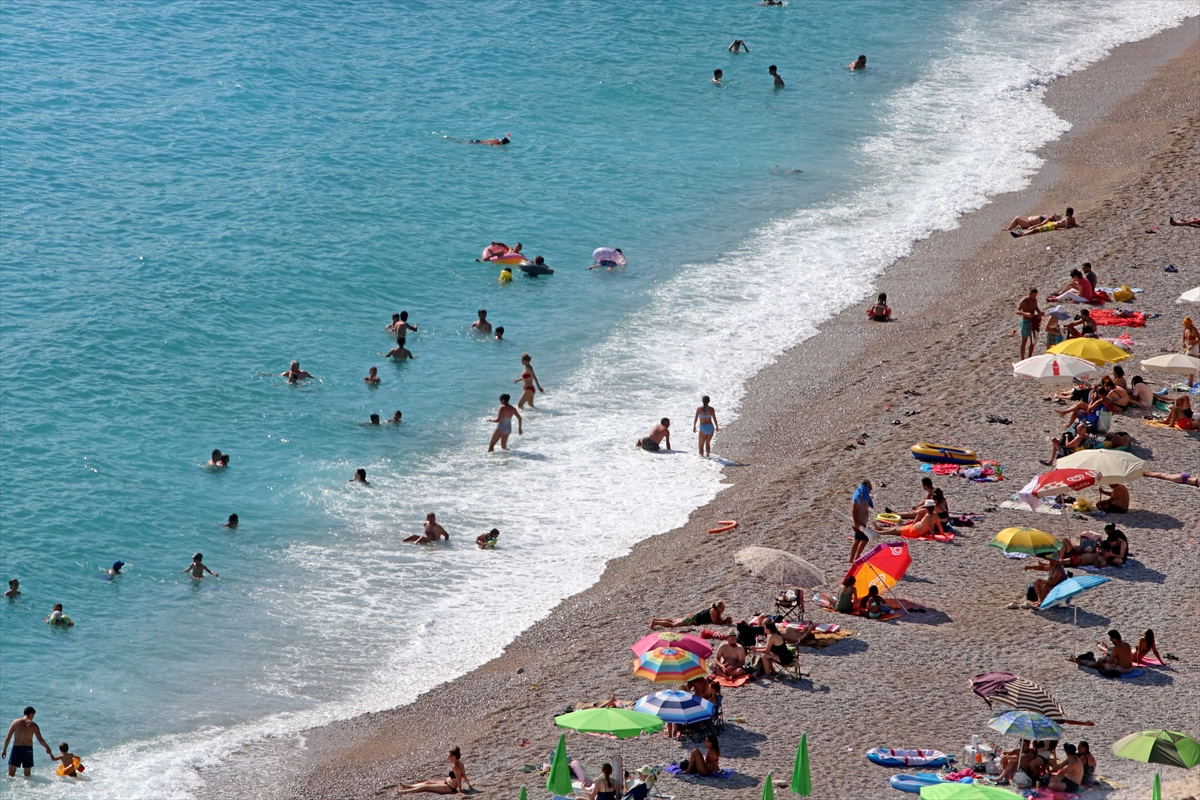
column 492, row 251
column 888, row 519
column 943, row 454
column 507, row 258
column 724, row 526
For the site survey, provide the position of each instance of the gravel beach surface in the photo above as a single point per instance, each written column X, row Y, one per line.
column 845, row 405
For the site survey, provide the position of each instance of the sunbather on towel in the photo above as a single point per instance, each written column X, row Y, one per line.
column 1067, row 222
column 1023, row 223
column 1146, row 646
column 1041, row 587
column 704, row 763
column 1120, row 655
column 729, row 660
column 1178, row 477
column 1194, row 222
column 798, row 634
column 713, row 615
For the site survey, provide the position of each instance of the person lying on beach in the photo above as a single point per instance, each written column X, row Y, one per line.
column 713, row 615
column 294, row 373
column 1114, row 499
column 360, row 476
column 197, row 568
column 1031, row 317
column 1023, row 223
column 729, row 660
column 218, row 459
column 399, row 352
column 1073, row 558
column 70, row 761
column 372, row 376
column 433, row 531
column 858, row 63
column 1194, row 222
column 1066, row 222
column 486, row 540
column 799, row 634
column 771, row 70
column 660, row 432
column 774, row 651
column 1069, row 776
column 1077, row 290
column 1183, row 478
column 880, row 312
column 1069, row 442
column 703, row 763
column 451, row 784
column 737, row 45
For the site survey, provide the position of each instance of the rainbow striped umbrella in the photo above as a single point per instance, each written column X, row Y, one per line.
column 669, row 665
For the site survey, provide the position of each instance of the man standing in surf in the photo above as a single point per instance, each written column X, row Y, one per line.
column 22, row 732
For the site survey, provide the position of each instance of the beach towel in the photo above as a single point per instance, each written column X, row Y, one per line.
column 1123, row 319
column 1149, row 661
column 828, row 627
column 1158, row 423
column 722, row 774
column 1044, row 508
column 1111, row 674
column 826, row 602
column 732, row 683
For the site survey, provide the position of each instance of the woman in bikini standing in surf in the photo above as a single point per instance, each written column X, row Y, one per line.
column 530, row 380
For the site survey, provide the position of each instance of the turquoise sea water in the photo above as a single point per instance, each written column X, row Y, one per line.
column 193, row 194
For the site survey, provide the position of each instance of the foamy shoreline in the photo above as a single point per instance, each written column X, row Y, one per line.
column 798, row 468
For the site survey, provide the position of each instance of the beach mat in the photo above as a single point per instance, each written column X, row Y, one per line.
column 1158, row 423
column 1044, row 508
column 1137, row 672
column 722, row 774
column 822, row 640
column 731, row 683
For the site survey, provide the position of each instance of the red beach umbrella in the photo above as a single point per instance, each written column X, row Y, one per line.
column 680, row 641
column 1057, row 482
column 883, row 566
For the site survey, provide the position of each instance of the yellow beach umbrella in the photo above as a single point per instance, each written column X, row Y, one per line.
column 1025, row 540
column 1114, row 466
column 1097, row 351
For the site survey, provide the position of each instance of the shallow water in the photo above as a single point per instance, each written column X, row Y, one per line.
column 192, row 195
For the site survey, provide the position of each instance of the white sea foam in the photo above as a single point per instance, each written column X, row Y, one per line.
column 381, row 616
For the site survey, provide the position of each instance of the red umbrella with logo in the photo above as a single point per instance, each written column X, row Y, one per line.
column 883, row 566
column 1055, row 482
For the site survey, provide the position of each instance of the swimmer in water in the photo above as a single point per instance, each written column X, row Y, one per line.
column 530, row 379
column 860, row 63
column 499, row 337
column 218, row 459
column 372, row 376
column 294, row 373
column 395, row 420
column 56, row 617
column 771, row 3
column 116, row 569
column 374, row 420
column 772, row 70
column 717, row 76
column 485, row 540
column 198, row 569
column 503, row 420
column 737, row 45
column 433, row 531
column 233, row 521
column 399, row 352
column 14, row 589
column 492, row 142
column 400, row 326
column 360, row 476
column 481, row 325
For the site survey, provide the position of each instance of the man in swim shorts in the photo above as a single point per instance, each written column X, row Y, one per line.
column 653, row 442
column 1031, row 320
column 22, row 732
column 860, row 512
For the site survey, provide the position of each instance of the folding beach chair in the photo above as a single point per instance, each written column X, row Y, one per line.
column 795, row 669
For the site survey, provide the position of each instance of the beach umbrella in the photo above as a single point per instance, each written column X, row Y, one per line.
column 1025, row 540
column 1049, row 369
column 965, row 791
column 1056, row 482
column 669, row 665
column 676, row 707
column 1178, row 363
column 883, row 566
column 1190, row 296
column 618, row 722
column 768, row 789
column 559, row 780
column 1071, row 587
column 1156, row 789
column 1159, row 747
column 779, row 567
column 1097, row 351
column 1020, row 694
column 1026, row 725
column 1114, row 466
column 801, row 780
column 991, row 683
column 680, row 641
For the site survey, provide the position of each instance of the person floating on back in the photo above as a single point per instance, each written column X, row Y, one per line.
column 198, row 569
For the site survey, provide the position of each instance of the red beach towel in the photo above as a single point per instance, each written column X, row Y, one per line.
column 1134, row 319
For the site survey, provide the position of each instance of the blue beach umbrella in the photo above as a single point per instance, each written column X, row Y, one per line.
column 676, row 707
column 1071, row 587
column 1026, row 725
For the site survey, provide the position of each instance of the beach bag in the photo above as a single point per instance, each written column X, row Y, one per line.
column 1123, row 295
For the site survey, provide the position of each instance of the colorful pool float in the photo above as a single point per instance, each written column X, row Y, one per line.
column 890, row 757
column 943, row 454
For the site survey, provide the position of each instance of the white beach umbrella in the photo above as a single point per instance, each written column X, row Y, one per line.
column 1051, row 370
column 1178, row 363
column 779, row 567
column 1114, row 466
column 1190, row 296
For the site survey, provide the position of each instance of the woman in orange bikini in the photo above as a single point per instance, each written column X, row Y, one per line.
column 529, row 378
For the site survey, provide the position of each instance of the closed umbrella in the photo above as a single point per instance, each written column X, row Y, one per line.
column 779, row 567
column 1156, row 789
column 1056, row 482
column 1071, row 587
column 801, row 779
column 1030, row 541
column 1178, row 363
column 1159, row 747
column 618, row 722
column 559, row 779
column 1049, row 369
column 680, row 641
column 669, row 665
column 768, row 789
column 1114, row 466
column 1097, row 351
column 1026, row 725
column 676, row 707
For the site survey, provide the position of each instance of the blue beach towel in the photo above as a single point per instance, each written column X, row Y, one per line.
column 722, row 774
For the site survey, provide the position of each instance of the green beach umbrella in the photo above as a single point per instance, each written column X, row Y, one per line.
column 1159, row 747
column 801, row 781
column 559, row 781
column 523, row 795
column 965, row 791
column 619, row 722
column 768, row 789
column 1156, row 792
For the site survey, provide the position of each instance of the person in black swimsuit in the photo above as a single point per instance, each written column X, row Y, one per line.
column 713, row 615
column 775, row 652
column 605, row 788
column 451, row 784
